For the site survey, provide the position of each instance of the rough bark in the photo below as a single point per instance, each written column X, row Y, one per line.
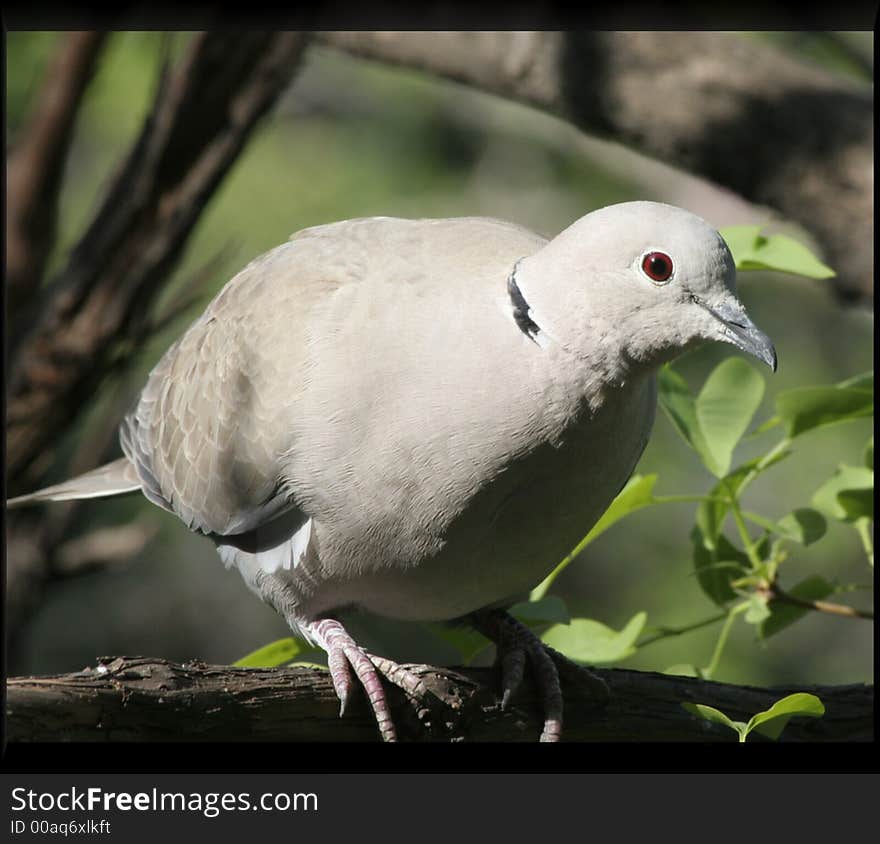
column 777, row 131
column 140, row 699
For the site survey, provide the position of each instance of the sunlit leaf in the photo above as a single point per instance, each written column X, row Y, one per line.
column 679, row 404
column 804, row 525
column 862, row 381
column 716, row 716
column 714, row 421
column 758, row 610
column 754, row 251
column 724, row 408
column 805, row 408
column 275, row 653
column 636, row 494
column 741, row 241
column 848, row 494
column 682, row 669
column 765, row 426
column 771, row 722
column 762, row 521
column 592, row 642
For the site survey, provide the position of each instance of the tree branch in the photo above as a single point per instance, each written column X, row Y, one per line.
column 36, row 163
column 89, row 321
column 776, row 593
column 777, row 131
column 201, row 118
column 142, row 699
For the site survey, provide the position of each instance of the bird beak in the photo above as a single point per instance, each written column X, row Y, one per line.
column 741, row 332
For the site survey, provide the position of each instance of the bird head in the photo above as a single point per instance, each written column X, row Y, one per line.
column 640, row 282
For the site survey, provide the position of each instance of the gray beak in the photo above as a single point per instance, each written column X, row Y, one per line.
column 740, row 331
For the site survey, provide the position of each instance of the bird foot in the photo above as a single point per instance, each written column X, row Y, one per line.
column 344, row 654
column 517, row 644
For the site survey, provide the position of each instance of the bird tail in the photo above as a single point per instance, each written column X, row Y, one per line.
column 110, row 479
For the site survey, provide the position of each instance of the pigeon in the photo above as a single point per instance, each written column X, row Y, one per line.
column 419, row 418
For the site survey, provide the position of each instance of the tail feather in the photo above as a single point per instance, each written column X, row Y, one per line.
column 114, row 478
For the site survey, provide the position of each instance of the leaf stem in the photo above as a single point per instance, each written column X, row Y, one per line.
column 863, row 528
column 709, row 670
column 667, row 632
column 778, row 594
column 686, row 499
column 541, row 589
column 762, row 464
column 749, row 546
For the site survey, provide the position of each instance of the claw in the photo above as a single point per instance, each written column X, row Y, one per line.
column 345, row 655
column 516, row 645
column 513, row 664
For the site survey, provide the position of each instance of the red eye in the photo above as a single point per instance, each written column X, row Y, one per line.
column 657, row 266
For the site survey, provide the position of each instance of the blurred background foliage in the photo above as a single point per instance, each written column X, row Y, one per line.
column 352, row 138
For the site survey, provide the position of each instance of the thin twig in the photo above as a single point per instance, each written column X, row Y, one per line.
column 776, row 593
column 667, row 632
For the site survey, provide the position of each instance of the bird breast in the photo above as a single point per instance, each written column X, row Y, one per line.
column 500, row 538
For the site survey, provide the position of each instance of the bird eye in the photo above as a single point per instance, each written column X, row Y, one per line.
column 657, row 266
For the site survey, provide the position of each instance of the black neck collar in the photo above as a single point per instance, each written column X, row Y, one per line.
column 520, row 307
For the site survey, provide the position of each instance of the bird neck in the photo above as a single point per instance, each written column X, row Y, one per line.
column 594, row 340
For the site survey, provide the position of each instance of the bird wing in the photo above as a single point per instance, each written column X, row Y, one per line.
column 207, row 430
column 212, row 432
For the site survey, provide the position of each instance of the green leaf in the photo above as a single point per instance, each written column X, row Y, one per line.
column 548, row 610
column 724, row 408
column 771, row 722
column 713, row 422
column 275, row 653
column 804, row 525
column 862, row 381
column 638, row 493
column 464, row 639
column 712, row 511
column 683, row 669
column 741, row 241
column 680, row 406
column 717, row 562
column 592, row 642
column 753, row 251
column 758, row 610
column 857, row 503
column 784, row 254
column 765, row 426
column 762, row 521
column 716, row 716
column 805, row 408
column 869, row 453
column 848, row 494
column 813, row 588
